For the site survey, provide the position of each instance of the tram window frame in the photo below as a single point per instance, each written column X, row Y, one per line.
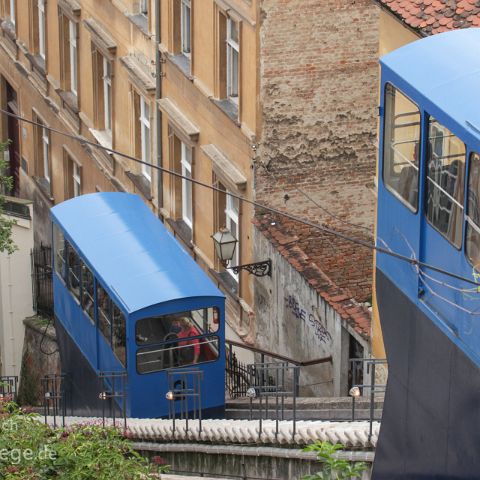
column 75, row 290
column 390, row 180
column 88, row 298
column 121, row 355
column 151, row 349
column 111, row 307
column 59, row 247
column 454, row 237
column 471, row 224
column 142, row 339
column 106, row 310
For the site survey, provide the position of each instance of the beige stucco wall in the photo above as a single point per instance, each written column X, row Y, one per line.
column 15, row 296
column 393, row 33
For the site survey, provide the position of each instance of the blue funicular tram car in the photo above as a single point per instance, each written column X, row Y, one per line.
column 128, row 298
column 429, row 210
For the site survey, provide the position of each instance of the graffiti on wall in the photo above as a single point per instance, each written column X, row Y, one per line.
column 291, row 303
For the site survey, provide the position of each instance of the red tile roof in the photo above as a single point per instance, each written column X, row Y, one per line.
column 435, row 16
column 338, row 270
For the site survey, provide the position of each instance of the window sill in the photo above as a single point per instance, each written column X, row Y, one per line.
column 9, row 29
column 141, row 22
column 69, row 100
column 44, row 187
column 103, row 137
column 227, row 282
column 229, row 108
column 38, row 64
column 141, row 183
column 182, row 63
column 181, row 230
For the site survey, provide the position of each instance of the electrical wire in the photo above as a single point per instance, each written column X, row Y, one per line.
column 324, row 229
column 318, row 205
column 329, row 242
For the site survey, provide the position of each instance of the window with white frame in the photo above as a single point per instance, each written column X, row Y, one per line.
column 11, row 11
column 42, row 152
column 187, row 198
column 73, row 54
column 107, row 94
column 233, row 51
column 102, row 94
column 185, row 20
column 77, row 180
column 231, row 222
column 144, row 120
column 41, row 29
column 68, row 38
column 73, row 176
column 46, row 153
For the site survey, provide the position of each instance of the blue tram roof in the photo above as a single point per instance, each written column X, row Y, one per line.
column 445, row 70
column 131, row 251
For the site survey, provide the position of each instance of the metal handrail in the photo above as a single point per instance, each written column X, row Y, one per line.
column 279, row 357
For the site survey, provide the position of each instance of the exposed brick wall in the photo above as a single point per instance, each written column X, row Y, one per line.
column 319, row 81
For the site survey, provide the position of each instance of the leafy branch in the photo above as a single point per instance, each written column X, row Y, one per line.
column 334, row 468
column 6, row 184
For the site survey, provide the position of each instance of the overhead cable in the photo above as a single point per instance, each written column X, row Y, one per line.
column 322, row 228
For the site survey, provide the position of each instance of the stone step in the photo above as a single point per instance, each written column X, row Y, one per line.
column 307, row 403
column 317, row 414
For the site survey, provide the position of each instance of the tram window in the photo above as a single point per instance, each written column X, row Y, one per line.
column 87, row 291
column 445, row 179
column 473, row 218
column 401, row 146
column 119, row 335
column 177, row 354
column 59, row 243
column 73, row 271
column 163, row 328
column 104, row 312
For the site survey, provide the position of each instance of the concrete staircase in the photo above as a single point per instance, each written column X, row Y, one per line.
column 307, row 408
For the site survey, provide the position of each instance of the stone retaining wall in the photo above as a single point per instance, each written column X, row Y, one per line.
column 40, row 357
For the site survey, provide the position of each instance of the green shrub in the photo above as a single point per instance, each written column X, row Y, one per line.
column 31, row 450
column 333, row 467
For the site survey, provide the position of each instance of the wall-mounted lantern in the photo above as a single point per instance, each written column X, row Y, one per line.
column 225, row 244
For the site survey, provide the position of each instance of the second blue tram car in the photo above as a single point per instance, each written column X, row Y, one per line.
column 128, row 298
column 429, row 211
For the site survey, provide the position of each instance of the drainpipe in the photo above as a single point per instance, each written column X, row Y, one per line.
column 158, row 95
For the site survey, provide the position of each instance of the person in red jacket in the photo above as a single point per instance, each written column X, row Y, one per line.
column 189, row 349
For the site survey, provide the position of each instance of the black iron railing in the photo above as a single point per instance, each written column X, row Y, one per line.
column 238, row 373
column 42, row 286
column 365, row 384
column 8, row 388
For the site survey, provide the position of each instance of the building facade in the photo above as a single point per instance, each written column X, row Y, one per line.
column 91, row 70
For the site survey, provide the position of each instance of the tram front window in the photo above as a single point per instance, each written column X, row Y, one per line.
column 177, row 339
column 165, row 327
column 176, row 354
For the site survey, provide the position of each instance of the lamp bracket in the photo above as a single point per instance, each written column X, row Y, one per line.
column 259, row 269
